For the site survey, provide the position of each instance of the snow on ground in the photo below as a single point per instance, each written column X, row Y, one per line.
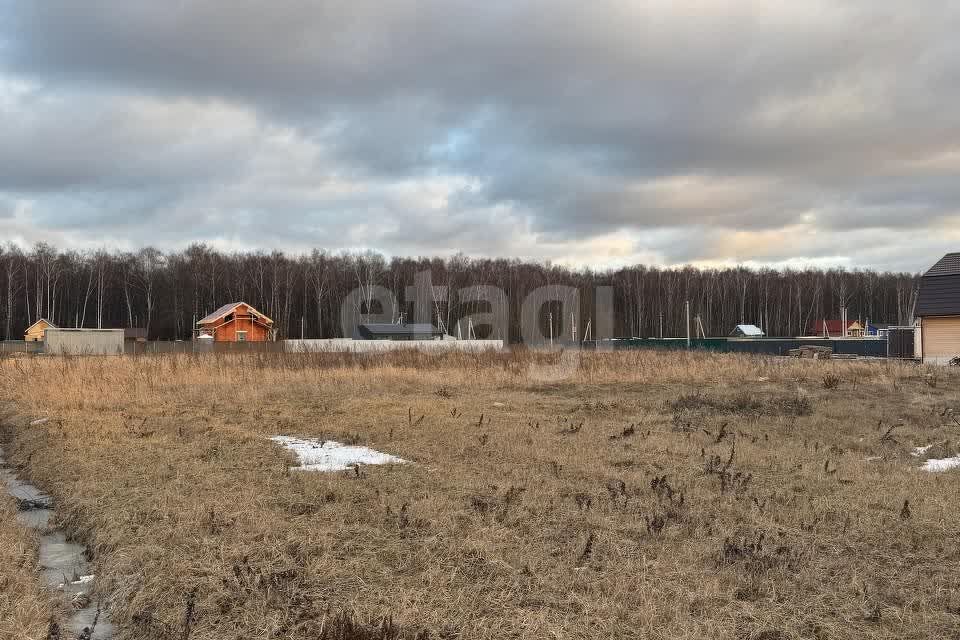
column 919, row 451
column 327, row 455
column 81, row 580
column 943, row 464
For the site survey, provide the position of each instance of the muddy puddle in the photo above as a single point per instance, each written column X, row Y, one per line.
column 64, row 567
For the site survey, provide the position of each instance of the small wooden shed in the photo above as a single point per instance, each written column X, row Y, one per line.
column 236, row 322
column 747, row 331
column 37, row 330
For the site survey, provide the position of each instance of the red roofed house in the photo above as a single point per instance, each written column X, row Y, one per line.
column 834, row 329
column 235, row 322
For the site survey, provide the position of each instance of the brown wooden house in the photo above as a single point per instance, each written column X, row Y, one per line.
column 235, row 322
column 37, row 330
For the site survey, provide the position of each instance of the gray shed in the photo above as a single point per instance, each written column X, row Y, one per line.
column 84, row 342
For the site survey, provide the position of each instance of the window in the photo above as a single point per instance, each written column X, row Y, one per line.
column 241, row 336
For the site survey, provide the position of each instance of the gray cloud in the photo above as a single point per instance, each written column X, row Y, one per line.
column 545, row 129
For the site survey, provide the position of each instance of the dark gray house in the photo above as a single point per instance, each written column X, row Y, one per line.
column 387, row 331
column 938, row 308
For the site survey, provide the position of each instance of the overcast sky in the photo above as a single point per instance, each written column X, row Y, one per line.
column 591, row 133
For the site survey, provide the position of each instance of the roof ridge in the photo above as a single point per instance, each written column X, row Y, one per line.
column 948, row 265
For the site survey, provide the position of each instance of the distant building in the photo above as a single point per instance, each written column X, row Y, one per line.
column 135, row 334
column 387, row 331
column 747, row 331
column 834, row 329
column 37, row 330
column 938, row 308
column 877, row 329
column 235, row 322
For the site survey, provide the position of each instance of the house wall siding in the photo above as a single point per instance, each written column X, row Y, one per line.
column 228, row 331
column 941, row 339
column 35, row 334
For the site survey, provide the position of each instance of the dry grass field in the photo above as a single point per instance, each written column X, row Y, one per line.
column 649, row 495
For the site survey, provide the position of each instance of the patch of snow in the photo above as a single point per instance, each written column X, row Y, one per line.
column 318, row 455
column 943, row 464
column 39, row 421
column 919, row 451
column 872, row 458
column 82, row 580
column 499, row 404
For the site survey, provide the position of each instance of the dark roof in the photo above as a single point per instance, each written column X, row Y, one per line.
column 385, row 329
column 940, row 288
column 939, row 296
column 949, row 265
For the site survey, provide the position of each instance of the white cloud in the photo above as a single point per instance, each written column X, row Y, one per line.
column 590, row 134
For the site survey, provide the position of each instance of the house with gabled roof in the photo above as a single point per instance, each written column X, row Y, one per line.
column 938, row 308
column 235, row 322
column 747, row 331
column 38, row 330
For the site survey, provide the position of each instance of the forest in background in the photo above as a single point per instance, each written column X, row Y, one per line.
column 166, row 291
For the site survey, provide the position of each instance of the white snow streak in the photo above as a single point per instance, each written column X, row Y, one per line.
column 943, row 464
column 317, row 455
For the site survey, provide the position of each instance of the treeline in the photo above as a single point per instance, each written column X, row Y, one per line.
column 167, row 292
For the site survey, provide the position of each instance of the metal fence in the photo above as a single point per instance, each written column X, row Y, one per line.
column 197, row 346
column 348, row 345
column 771, row 346
column 874, row 347
column 8, row 347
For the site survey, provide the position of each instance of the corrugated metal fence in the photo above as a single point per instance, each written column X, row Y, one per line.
column 770, row 346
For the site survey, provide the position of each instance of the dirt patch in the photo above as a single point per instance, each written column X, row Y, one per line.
column 745, row 404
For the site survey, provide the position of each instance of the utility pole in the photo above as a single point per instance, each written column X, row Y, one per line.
column 687, row 309
column 301, row 327
column 661, row 325
column 573, row 328
column 550, row 320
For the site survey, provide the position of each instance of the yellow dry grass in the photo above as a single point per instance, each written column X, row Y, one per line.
column 25, row 608
column 660, row 495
